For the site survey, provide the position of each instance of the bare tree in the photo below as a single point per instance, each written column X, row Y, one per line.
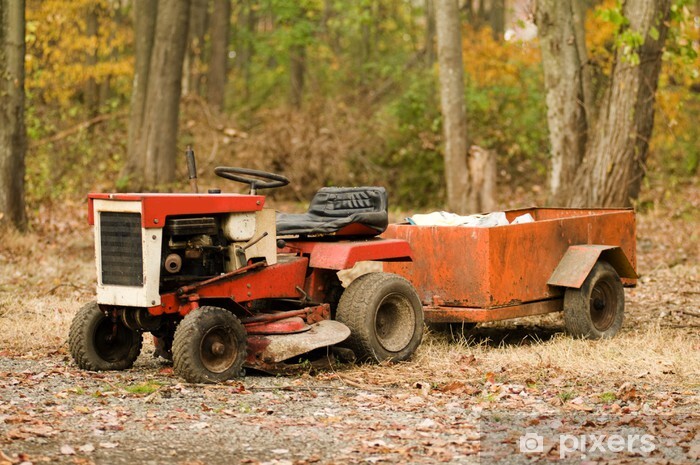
column 497, row 18
column 454, row 120
column 92, row 96
column 145, row 13
column 564, row 59
column 192, row 67
column 218, row 60
column 161, row 34
column 246, row 24
column 13, row 139
column 297, row 70
column 429, row 32
column 602, row 148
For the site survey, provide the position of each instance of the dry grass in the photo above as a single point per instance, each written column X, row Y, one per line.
column 48, row 274
column 45, row 276
column 655, row 357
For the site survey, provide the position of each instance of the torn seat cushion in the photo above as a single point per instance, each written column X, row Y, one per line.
column 339, row 210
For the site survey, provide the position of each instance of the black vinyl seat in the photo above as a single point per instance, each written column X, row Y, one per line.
column 345, row 211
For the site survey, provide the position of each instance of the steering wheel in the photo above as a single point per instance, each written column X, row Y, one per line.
column 266, row 181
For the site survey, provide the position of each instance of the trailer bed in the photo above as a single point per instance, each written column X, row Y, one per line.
column 492, row 273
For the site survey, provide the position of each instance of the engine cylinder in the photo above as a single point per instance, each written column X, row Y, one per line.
column 173, row 263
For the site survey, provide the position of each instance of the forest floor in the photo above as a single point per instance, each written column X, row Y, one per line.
column 514, row 392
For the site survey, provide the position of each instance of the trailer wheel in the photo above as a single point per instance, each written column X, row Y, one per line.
column 596, row 310
column 98, row 342
column 209, row 346
column 385, row 317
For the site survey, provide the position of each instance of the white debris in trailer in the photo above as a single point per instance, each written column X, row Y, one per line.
column 443, row 218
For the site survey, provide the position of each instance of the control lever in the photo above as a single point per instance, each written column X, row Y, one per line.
column 240, row 249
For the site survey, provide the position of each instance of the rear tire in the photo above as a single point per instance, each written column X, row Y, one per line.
column 209, row 346
column 385, row 317
column 596, row 310
column 99, row 343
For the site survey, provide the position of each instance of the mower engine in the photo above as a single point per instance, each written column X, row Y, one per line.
column 149, row 244
column 208, row 277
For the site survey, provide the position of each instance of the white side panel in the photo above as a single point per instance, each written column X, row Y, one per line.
column 151, row 241
column 266, row 248
column 239, row 226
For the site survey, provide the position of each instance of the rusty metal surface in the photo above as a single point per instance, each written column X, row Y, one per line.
column 482, row 315
column 505, row 265
column 286, row 322
column 275, row 281
column 156, row 207
column 342, row 255
column 577, row 263
column 264, row 350
column 291, row 325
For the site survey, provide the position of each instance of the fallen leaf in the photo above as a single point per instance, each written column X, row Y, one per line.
column 424, row 388
column 86, row 448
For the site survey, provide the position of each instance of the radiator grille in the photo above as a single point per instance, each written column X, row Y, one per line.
column 120, row 242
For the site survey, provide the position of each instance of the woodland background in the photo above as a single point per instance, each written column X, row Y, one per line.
column 343, row 92
column 327, row 92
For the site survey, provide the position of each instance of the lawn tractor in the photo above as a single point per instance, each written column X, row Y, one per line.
column 223, row 283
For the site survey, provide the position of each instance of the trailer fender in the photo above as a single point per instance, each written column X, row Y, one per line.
column 578, row 261
column 344, row 254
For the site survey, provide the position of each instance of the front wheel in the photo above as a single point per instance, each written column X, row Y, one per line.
column 209, row 346
column 99, row 342
column 385, row 317
column 596, row 310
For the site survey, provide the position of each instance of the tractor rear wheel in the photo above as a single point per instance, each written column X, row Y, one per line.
column 209, row 346
column 98, row 342
column 385, row 317
column 596, row 310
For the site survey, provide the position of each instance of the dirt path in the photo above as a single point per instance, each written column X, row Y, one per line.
column 51, row 412
column 504, row 390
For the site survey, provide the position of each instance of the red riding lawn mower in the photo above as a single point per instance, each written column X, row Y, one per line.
column 222, row 282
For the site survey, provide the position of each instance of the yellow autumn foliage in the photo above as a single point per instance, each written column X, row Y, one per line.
column 59, row 49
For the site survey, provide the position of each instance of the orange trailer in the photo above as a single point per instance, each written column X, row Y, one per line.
column 575, row 260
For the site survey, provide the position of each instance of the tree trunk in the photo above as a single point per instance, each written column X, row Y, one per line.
column 297, row 69
column 13, row 138
column 154, row 148
column 192, row 67
column 614, row 165
column 220, row 27
column 563, row 65
column 482, row 167
column 459, row 196
column 429, row 32
column 145, row 14
column 92, row 94
column 247, row 22
column 497, row 18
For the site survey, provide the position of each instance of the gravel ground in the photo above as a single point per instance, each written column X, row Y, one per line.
column 53, row 412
